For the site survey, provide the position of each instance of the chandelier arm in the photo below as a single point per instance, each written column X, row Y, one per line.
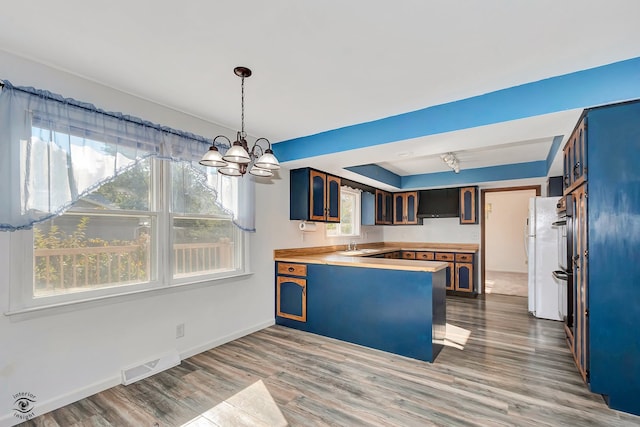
column 264, row 139
column 256, row 147
column 222, row 136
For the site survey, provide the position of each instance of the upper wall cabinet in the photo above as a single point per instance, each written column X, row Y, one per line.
column 314, row 196
column 384, row 207
column 469, row 205
column 405, row 208
column 575, row 158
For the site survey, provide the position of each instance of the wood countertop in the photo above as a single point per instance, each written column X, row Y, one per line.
column 337, row 255
column 365, row 262
column 382, row 248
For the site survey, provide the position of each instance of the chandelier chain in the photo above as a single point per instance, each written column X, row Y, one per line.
column 242, row 134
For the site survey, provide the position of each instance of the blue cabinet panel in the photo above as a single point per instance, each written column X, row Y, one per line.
column 398, row 207
column 469, row 205
column 318, row 196
column 291, row 298
column 463, row 277
column 299, row 194
column 412, row 208
column 334, row 199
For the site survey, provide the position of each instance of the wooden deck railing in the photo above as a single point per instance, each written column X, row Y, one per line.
column 90, row 267
column 189, row 258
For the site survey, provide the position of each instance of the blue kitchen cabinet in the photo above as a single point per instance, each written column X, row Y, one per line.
column 469, row 205
column 464, row 272
column 314, row 196
column 449, row 258
column 459, row 273
column 401, row 312
column 405, row 208
column 291, row 292
column 384, row 207
column 603, row 190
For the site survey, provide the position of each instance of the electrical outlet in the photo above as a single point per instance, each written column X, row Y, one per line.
column 180, row 330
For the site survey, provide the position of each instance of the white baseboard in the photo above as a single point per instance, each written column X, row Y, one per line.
column 227, row 338
column 60, row 401
column 41, row 408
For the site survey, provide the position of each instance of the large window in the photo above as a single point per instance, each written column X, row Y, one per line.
column 110, row 204
column 349, row 224
column 111, row 239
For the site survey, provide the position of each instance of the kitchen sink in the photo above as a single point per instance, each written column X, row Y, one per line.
column 357, row 252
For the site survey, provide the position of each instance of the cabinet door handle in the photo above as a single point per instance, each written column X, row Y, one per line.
column 575, row 169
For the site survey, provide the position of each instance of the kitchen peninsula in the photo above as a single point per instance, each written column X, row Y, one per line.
column 360, row 296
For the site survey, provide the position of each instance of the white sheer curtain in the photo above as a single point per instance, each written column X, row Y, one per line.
column 55, row 150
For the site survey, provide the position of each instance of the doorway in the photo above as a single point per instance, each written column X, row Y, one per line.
column 504, row 258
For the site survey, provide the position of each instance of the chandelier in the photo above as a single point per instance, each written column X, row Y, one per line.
column 238, row 158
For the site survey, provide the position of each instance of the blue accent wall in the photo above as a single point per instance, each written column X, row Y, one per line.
column 493, row 173
column 378, row 173
column 582, row 89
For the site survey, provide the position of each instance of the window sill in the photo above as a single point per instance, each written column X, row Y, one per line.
column 62, row 307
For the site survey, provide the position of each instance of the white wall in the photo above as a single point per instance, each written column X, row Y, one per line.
column 505, row 218
column 440, row 230
column 62, row 355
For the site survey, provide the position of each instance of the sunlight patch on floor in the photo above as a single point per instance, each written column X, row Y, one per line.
column 488, row 285
column 254, row 406
column 456, row 336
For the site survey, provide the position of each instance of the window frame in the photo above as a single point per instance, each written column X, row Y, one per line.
column 357, row 214
column 22, row 297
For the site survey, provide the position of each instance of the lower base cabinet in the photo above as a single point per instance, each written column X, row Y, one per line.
column 398, row 311
column 459, row 272
column 464, row 272
column 291, row 291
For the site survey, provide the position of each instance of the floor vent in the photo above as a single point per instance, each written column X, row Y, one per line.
column 136, row 373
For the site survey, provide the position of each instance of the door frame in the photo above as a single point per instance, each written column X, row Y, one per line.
column 483, row 246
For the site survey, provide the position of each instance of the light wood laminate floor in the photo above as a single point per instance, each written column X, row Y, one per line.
column 501, row 367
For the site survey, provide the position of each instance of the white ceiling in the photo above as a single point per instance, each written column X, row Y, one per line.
column 327, row 64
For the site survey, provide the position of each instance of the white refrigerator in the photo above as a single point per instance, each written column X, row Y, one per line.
column 542, row 258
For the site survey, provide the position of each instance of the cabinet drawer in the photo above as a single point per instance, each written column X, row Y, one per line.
column 408, row 255
column 464, row 257
column 292, row 269
column 425, row 256
column 444, row 256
